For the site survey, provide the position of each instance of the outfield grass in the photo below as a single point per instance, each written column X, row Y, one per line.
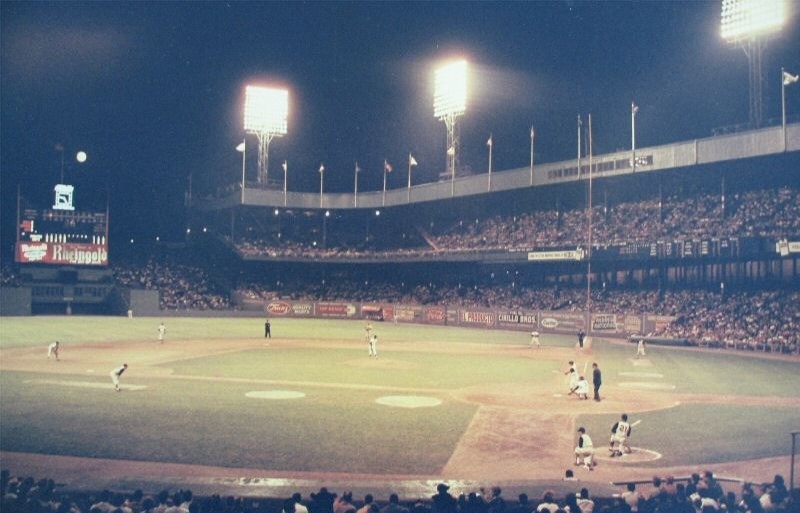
column 347, row 366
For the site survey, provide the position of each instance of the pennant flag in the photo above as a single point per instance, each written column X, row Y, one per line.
column 358, row 169
column 789, row 79
column 387, row 167
column 531, row 133
column 451, row 151
column 634, row 108
column 489, row 142
column 411, row 160
column 285, row 166
column 321, row 168
column 240, row 147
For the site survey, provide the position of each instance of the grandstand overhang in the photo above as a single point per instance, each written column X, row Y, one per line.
column 710, row 150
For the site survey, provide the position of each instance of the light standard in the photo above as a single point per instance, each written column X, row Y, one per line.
column 449, row 102
column 265, row 112
column 749, row 23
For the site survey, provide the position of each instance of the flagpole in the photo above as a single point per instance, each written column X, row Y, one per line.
column 579, row 145
column 409, row 177
column 589, row 250
column 321, row 181
column 491, row 144
column 384, row 182
column 531, row 155
column 783, row 106
column 355, row 190
column 633, row 136
column 285, row 192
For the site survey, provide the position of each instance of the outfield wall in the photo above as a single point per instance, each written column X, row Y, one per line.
column 593, row 323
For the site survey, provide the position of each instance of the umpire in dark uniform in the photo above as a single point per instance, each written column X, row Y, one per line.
column 597, row 380
column 267, row 329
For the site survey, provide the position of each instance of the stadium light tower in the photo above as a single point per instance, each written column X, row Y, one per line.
column 749, row 23
column 265, row 112
column 450, row 102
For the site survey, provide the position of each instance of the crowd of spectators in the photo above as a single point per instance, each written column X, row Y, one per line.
column 181, row 286
column 757, row 320
column 771, row 213
column 699, row 494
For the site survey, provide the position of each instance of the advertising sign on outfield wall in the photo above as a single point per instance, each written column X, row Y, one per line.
column 477, row 318
column 341, row 310
column 607, row 323
column 561, row 322
column 405, row 313
column 435, row 315
column 377, row 312
column 517, row 320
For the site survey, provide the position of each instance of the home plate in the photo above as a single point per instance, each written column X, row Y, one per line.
column 274, row 394
column 408, row 401
column 82, row 384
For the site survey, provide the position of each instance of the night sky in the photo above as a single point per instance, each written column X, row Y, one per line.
column 154, row 91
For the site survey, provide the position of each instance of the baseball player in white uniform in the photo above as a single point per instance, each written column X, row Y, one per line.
column 582, row 388
column 373, row 345
column 573, row 381
column 640, row 349
column 52, row 350
column 162, row 330
column 584, row 450
column 619, row 437
column 115, row 375
column 535, row 340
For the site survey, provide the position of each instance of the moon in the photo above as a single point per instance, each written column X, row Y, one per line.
column 81, row 157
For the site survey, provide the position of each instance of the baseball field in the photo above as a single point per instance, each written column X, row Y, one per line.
column 218, row 403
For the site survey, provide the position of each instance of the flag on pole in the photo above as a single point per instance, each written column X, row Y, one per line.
column 531, row 133
column 451, row 151
column 358, row 169
column 240, row 147
column 489, row 142
column 789, row 79
column 411, row 160
column 387, row 167
column 284, row 165
column 634, row 108
column 321, row 168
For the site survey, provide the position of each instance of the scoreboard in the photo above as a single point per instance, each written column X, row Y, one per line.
column 62, row 237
